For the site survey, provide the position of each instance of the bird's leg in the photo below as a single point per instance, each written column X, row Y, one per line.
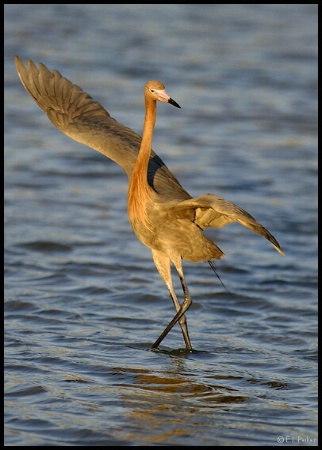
column 184, row 307
column 182, row 319
column 163, row 264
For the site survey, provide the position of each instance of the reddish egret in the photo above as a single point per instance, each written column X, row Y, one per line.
column 163, row 215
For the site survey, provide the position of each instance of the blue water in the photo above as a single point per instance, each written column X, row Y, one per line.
column 83, row 300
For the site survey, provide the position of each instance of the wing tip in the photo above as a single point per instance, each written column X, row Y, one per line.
column 278, row 248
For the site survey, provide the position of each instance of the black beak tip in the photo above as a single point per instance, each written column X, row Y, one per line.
column 172, row 102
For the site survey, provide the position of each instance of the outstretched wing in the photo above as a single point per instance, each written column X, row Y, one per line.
column 213, row 211
column 83, row 119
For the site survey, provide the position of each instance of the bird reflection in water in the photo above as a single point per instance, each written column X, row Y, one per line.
column 152, row 399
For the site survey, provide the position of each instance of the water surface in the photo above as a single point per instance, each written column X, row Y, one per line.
column 83, row 300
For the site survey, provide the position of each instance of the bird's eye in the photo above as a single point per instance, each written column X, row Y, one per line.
column 151, row 90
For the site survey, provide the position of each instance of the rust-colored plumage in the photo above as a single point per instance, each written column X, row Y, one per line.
column 163, row 215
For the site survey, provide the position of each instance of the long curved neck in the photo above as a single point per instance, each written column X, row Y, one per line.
column 139, row 179
column 139, row 189
column 143, row 158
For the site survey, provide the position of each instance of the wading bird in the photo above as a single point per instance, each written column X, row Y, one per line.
column 163, row 215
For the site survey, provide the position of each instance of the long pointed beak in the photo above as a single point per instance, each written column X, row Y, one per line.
column 172, row 102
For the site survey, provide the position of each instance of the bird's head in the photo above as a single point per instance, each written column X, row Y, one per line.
column 155, row 90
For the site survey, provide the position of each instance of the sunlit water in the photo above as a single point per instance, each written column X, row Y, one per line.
column 83, row 300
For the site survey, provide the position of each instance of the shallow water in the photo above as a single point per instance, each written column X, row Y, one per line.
column 83, row 300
